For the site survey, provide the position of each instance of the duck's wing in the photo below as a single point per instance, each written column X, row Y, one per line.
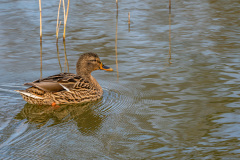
column 55, row 78
column 55, row 83
column 82, row 84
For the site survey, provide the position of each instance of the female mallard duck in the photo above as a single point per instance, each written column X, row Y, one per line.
column 67, row 88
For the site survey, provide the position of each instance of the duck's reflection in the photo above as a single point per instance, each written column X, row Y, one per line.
column 88, row 120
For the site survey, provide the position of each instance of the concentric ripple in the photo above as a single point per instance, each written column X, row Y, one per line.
column 115, row 98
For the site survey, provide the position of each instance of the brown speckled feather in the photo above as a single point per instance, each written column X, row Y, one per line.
column 66, row 88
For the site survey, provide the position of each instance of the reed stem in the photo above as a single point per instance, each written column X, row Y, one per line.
column 58, row 31
column 170, row 6
column 64, row 15
column 65, row 18
column 117, row 4
column 40, row 10
column 58, row 24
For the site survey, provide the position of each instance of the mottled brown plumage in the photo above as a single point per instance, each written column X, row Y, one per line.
column 67, row 88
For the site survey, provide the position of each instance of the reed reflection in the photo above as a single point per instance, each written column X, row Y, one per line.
column 66, row 65
column 40, row 59
column 59, row 58
column 116, row 42
column 87, row 120
column 66, row 60
column 129, row 22
column 169, row 21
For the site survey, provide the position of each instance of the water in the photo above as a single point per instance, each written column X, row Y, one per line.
column 189, row 109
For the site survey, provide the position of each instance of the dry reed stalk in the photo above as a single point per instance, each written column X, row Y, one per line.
column 67, row 10
column 40, row 10
column 170, row 6
column 65, row 18
column 117, row 4
column 57, row 31
column 58, row 24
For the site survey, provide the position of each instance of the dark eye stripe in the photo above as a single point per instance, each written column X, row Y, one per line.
column 95, row 61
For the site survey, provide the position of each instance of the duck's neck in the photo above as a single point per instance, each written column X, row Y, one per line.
column 85, row 76
column 95, row 83
column 85, row 73
column 91, row 80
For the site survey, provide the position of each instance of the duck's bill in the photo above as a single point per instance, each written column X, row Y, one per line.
column 106, row 68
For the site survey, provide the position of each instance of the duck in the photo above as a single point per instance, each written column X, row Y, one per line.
column 68, row 88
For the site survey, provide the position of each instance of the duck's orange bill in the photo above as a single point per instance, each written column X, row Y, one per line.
column 106, row 68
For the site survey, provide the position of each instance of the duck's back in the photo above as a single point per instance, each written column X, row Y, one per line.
column 62, row 88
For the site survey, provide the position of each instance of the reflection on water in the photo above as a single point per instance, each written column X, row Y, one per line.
column 116, row 33
column 85, row 118
column 169, row 23
column 149, row 109
column 58, row 57
column 66, row 60
column 129, row 22
column 41, row 59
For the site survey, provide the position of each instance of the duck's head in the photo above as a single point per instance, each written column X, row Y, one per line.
column 89, row 62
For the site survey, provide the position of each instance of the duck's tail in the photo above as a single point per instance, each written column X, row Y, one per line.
column 28, row 94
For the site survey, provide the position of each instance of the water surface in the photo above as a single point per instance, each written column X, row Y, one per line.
column 189, row 109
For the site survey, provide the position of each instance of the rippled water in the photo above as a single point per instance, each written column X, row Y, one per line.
column 189, row 109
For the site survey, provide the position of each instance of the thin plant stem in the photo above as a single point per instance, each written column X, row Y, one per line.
column 65, row 18
column 117, row 5
column 58, row 31
column 170, row 6
column 58, row 25
column 67, row 10
column 64, row 15
column 40, row 10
